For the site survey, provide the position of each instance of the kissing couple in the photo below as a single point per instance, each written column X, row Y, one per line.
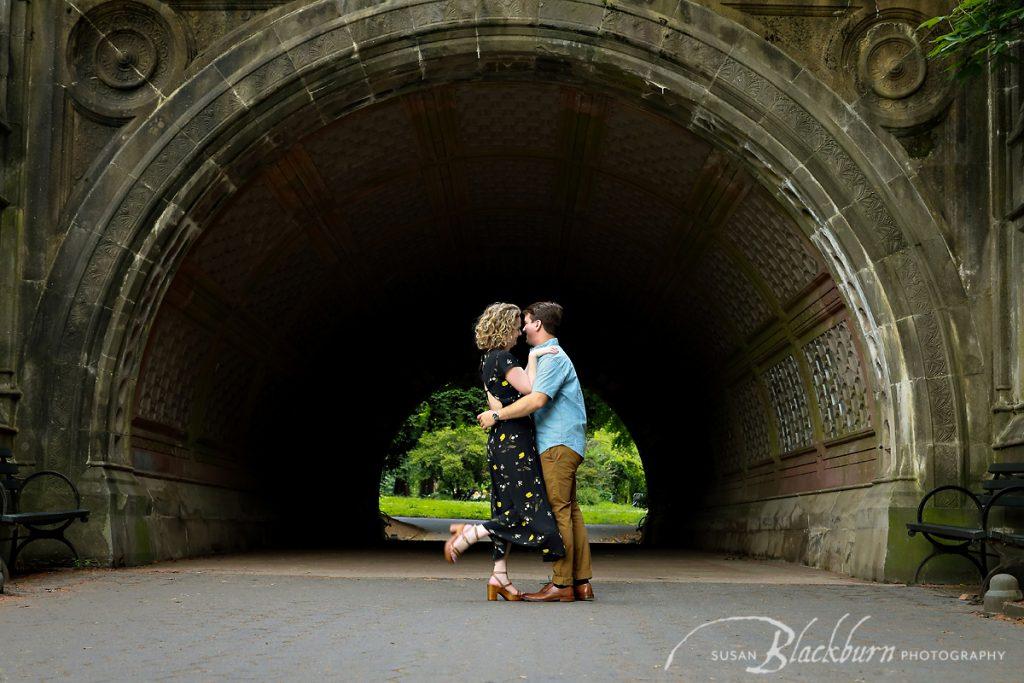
column 533, row 498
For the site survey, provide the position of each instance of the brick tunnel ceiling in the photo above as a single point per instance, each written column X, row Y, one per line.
column 359, row 257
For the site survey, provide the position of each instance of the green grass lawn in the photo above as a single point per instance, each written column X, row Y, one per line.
column 401, row 506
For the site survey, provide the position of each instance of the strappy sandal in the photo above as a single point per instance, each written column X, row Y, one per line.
column 503, row 590
column 460, row 541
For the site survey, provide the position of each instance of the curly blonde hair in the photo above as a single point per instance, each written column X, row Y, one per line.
column 497, row 326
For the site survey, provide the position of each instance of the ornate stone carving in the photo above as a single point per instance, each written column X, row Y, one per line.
column 226, row 403
column 376, row 146
column 495, row 117
column 123, row 56
column 175, row 352
column 749, row 415
column 734, row 291
column 774, row 246
column 884, row 58
column 651, row 152
column 891, row 62
column 1012, row 105
column 790, row 403
column 727, row 454
column 285, row 284
column 229, row 253
column 741, row 428
column 838, row 381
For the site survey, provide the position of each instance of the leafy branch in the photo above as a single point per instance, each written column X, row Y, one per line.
column 981, row 33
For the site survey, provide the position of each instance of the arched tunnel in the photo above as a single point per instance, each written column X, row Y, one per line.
column 260, row 276
column 337, row 287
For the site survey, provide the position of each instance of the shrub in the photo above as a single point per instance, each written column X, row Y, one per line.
column 588, row 496
column 453, row 459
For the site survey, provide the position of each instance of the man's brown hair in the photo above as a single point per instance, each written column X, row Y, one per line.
column 548, row 313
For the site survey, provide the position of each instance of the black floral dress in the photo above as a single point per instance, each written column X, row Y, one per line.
column 520, row 512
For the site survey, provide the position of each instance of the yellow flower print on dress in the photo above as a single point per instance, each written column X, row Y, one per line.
column 529, row 494
column 499, row 503
column 522, row 455
column 501, row 438
column 505, row 383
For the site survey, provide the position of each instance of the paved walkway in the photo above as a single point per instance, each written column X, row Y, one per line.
column 401, row 613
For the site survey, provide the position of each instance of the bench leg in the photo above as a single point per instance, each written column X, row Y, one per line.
column 925, row 561
column 14, row 548
column 980, row 566
column 36, row 535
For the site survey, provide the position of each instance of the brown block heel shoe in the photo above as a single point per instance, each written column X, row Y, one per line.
column 493, row 591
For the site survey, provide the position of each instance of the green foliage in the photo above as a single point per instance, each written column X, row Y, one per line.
column 600, row 416
column 439, row 450
column 609, row 472
column 454, row 459
column 449, row 407
column 588, row 495
column 981, row 32
column 404, row 506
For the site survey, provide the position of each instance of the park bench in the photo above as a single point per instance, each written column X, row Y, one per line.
column 62, row 507
column 1004, row 490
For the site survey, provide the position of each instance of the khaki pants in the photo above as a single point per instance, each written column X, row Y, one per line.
column 559, row 464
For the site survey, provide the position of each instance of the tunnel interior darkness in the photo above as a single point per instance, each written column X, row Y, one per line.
column 339, row 287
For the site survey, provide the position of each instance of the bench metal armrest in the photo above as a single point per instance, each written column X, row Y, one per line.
column 52, row 473
column 991, row 502
column 948, row 487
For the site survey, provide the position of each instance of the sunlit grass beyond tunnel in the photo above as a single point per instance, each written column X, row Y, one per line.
column 406, row 506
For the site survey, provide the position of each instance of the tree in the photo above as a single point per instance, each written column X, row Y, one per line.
column 451, row 406
column 454, row 458
column 609, row 472
column 981, row 32
column 600, row 416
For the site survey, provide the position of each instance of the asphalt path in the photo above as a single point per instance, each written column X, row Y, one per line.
column 333, row 616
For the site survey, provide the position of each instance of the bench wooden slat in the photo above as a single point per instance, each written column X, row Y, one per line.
column 996, row 484
column 945, row 531
column 1007, row 537
column 1009, row 500
column 44, row 517
column 1006, row 468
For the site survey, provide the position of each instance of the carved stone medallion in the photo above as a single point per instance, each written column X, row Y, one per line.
column 884, row 60
column 125, row 54
column 891, row 63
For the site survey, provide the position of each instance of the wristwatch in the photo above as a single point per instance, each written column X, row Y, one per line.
column 494, row 414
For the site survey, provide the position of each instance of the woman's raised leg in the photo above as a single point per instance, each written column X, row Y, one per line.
column 463, row 536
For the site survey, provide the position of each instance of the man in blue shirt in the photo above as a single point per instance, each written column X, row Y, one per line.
column 560, row 417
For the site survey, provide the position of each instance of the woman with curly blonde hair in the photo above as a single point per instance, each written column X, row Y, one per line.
column 520, row 513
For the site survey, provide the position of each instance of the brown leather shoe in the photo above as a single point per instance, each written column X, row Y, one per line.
column 551, row 593
column 584, row 591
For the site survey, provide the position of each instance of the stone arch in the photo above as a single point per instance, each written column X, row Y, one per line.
column 146, row 201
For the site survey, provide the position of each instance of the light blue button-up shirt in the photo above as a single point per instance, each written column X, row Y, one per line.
column 563, row 419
